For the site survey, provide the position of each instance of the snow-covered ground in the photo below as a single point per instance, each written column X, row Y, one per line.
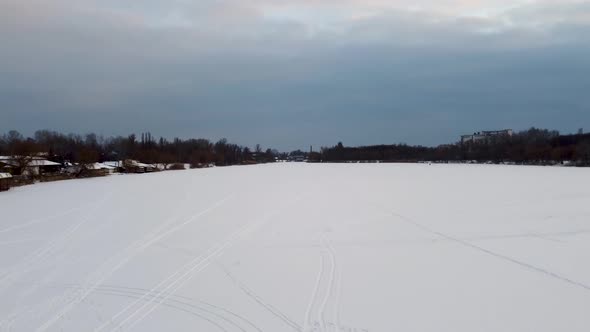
column 300, row 247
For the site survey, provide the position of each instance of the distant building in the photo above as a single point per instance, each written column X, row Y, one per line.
column 35, row 166
column 107, row 169
column 296, row 158
column 5, row 181
column 134, row 166
column 484, row 136
column 97, row 169
column 42, row 166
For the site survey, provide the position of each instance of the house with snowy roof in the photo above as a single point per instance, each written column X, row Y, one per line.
column 5, row 179
column 33, row 165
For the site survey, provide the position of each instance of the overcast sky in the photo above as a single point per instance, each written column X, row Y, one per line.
column 288, row 74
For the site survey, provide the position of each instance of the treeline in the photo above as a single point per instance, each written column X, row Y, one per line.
column 145, row 148
column 533, row 146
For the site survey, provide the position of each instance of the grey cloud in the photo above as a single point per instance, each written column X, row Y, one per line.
column 231, row 71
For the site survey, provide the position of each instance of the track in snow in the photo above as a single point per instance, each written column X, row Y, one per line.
column 300, row 247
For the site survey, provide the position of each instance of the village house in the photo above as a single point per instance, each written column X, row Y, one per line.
column 42, row 166
column 485, row 136
column 134, row 166
column 5, row 180
column 4, row 166
column 97, row 169
column 117, row 165
column 35, row 166
column 107, row 169
column 297, row 158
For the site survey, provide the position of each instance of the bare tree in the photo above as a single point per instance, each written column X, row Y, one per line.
column 86, row 157
column 22, row 151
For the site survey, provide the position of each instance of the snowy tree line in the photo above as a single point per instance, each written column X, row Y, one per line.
column 533, row 146
column 91, row 148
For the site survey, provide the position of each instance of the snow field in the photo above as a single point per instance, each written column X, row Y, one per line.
column 300, row 247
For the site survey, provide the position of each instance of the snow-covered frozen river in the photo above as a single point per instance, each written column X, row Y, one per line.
column 300, row 247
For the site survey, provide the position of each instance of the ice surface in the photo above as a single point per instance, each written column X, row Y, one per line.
column 300, row 247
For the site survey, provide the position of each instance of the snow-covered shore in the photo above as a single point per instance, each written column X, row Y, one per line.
column 300, row 247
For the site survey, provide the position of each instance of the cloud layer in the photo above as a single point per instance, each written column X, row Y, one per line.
column 294, row 73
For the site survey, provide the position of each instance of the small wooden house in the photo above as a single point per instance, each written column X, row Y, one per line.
column 5, row 181
column 40, row 166
column 134, row 166
column 34, row 166
column 5, row 166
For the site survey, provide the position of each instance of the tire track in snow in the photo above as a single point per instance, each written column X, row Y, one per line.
column 314, row 295
column 176, row 284
column 136, row 295
column 337, row 285
column 171, row 278
column 492, row 253
column 229, row 312
column 175, row 302
column 29, row 262
column 336, row 314
column 192, row 268
column 71, row 297
column 42, row 220
column 20, row 241
column 276, row 312
column 250, row 227
column 134, row 249
column 171, row 305
column 329, row 286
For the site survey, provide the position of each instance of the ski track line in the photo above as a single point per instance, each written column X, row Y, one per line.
column 135, row 248
column 33, row 287
column 165, row 297
column 49, row 301
column 495, row 254
column 7, row 243
column 135, row 292
column 30, row 260
column 149, row 293
column 276, row 312
column 141, row 246
column 229, row 312
column 314, row 295
column 337, row 284
column 212, row 322
column 10, row 318
column 72, row 296
column 242, row 318
column 137, row 245
column 44, row 249
column 337, row 306
column 198, row 265
column 180, row 301
column 545, row 236
column 176, row 285
column 67, row 296
column 36, row 221
column 329, row 287
column 25, row 264
column 187, row 301
column 8, row 321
